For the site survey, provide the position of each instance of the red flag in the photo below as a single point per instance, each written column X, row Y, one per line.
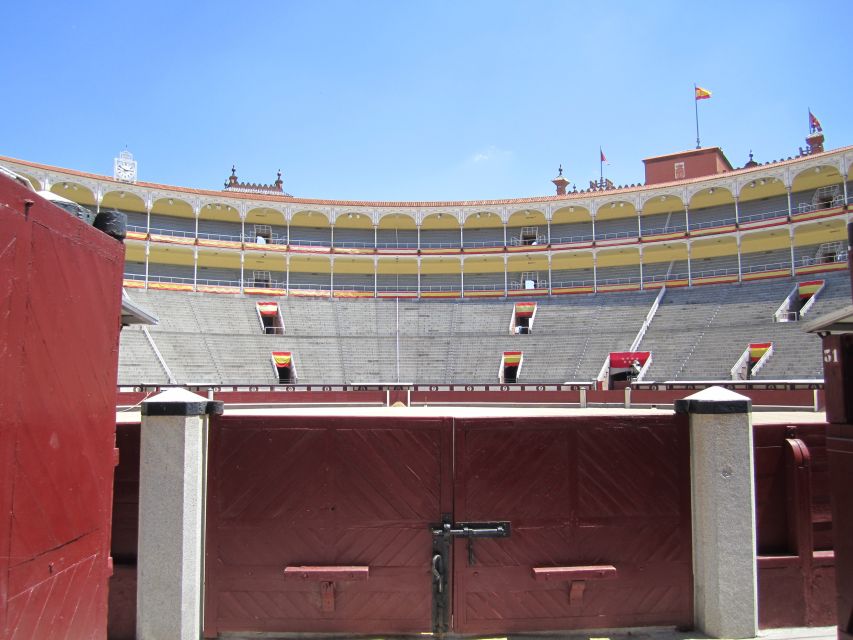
column 814, row 123
column 603, row 159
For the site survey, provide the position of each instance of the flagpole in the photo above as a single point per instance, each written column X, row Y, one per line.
column 600, row 167
column 696, row 106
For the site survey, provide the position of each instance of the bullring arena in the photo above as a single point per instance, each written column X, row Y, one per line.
column 458, row 418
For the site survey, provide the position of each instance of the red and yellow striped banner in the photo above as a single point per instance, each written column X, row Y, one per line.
column 524, row 309
column 282, row 358
column 809, row 288
column 757, row 350
column 268, row 308
column 512, row 358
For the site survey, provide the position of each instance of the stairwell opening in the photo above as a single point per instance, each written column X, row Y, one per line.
column 510, row 366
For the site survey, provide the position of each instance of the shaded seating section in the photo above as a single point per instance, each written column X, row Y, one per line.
column 354, row 281
column 571, row 277
column 660, row 271
column 822, row 253
column 440, row 238
column 712, row 216
column 765, row 260
column 710, row 267
column 625, row 274
column 574, row 232
column 353, row 237
column 437, row 282
column 664, row 223
column 764, row 208
column 395, row 282
column 492, row 237
column 311, row 236
column 484, row 281
column 617, row 228
column 218, row 230
column 397, row 238
column 303, row 280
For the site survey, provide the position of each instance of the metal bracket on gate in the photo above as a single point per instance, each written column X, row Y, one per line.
column 441, row 536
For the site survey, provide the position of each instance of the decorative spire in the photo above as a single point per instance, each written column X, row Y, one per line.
column 751, row 163
column 275, row 188
column 560, row 182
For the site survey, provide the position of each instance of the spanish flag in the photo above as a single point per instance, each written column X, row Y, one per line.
column 701, row 94
column 268, row 308
column 524, row 309
column 281, row 358
column 808, row 289
column 757, row 350
column 512, row 358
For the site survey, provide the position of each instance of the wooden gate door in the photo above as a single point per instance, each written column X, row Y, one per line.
column 60, row 314
column 322, row 524
column 598, row 512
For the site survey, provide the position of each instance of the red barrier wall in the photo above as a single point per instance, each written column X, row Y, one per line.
column 796, row 563
column 60, row 295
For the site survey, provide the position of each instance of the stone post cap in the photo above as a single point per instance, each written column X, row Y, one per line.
column 180, row 402
column 714, row 400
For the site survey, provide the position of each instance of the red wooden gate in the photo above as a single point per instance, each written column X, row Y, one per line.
column 322, row 524
column 600, row 513
column 60, row 313
column 336, row 524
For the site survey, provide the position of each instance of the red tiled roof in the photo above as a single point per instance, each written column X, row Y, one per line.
column 442, row 203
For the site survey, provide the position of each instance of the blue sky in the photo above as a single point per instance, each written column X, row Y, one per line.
column 404, row 100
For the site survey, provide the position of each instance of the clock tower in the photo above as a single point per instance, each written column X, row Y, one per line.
column 124, row 167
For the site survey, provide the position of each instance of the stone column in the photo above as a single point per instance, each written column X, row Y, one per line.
column 171, row 509
column 723, row 499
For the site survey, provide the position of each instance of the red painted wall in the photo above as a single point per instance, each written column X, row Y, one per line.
column 60, row 302
column 697, row 163
column 796, row 562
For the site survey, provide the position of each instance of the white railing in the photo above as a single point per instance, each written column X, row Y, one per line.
column 711, row 223
column 765, row 215
column 484, row 287
column 739, row 371
column 782, row 314
column 160, row 359
column 616, row 234
column 648, row 321
column 570, row 239
column 384, row 288
column 604, row 373
column 623, row 280
column 641, row 376
column 760, row 364
column 482, row 243
column 571, row 283
column 811, row 301
column 662, row 230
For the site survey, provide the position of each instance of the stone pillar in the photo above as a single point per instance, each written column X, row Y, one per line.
column 171, row 509
column 723, row 499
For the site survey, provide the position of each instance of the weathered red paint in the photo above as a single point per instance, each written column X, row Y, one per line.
column 344, row 505
column 796, row 564
column 327, row 492
column 613, row 491
column 840, row 453
column 60, row 290
column 125, row 532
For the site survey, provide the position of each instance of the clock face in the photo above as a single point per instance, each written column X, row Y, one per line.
column 125, row 170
